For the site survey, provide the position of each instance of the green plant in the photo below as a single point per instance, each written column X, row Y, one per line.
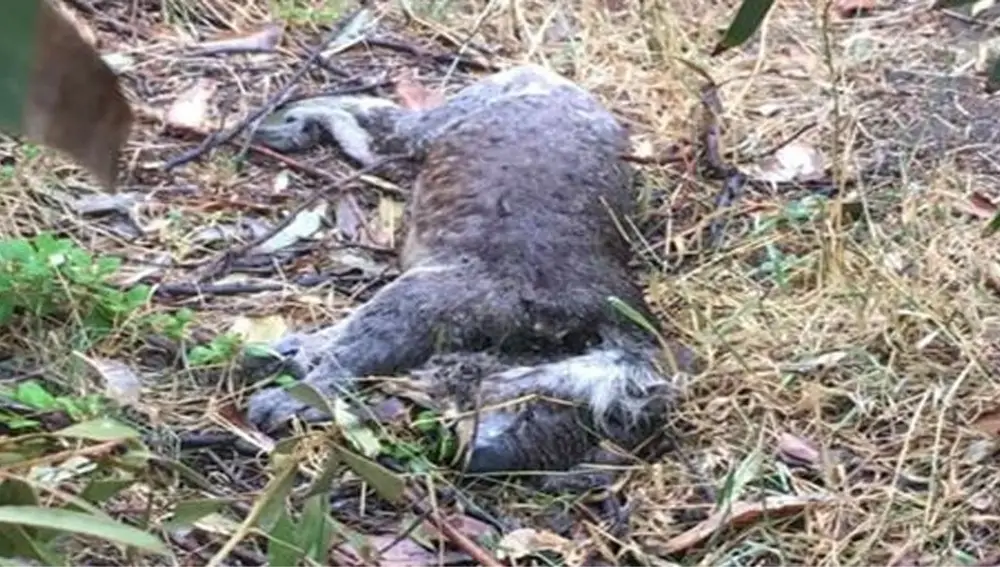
column 436, row 444
column 33, row 394
column 47, row 277
column 39, row 514
column 220, row 350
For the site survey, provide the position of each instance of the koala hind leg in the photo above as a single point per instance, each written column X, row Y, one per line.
column 608, row 393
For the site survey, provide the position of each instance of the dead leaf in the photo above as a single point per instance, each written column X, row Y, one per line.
column 305, row 225
column 979, row 450
column 191, row 108
column 741, row 514
column 406, row 553
column 642, row 147
column 352, row 32
column 349, row 218
column 229, row 417
column 821, row 362
column 854, row 8
column 415, row 96
column 796, row 161
column 263, row 330
column 770, row 109
column 981, row 6
column 266, row 39
column 121, row 383
column 118, row 62
column 248, row 229
column 527, row 541
column 982, row 502
column 987, row 51
column 977, row 205
column 797, row 449
column 988, row 422
column 389, row 218
column 101, row 203
column 74, row 101
column 352, row 258
column 281, row 181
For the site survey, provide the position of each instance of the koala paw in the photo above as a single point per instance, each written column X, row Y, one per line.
column 535, row 437
column 297, row 354
column 270, row 409
column 491, row 451
column 288, row 130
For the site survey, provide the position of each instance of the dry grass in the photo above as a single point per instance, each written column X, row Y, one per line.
column 901, row 303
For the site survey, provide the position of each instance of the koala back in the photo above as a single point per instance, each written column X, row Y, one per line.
column 522, row 179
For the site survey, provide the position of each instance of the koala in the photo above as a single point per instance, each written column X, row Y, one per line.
column 510, row 263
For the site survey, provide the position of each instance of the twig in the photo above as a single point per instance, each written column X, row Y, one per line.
column 734, row 181
column 438, row 58
column 176, row 290
column 478, row 554
column 274, row 102
column 795, row 136
column 971, row 20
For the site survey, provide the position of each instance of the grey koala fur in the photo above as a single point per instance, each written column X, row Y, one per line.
column 511, row 254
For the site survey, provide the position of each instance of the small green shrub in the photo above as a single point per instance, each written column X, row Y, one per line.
column 52, row 278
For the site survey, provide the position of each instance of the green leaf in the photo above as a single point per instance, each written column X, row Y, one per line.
column 271, row 504
column 388, row 485
column 190, row 511
column 16, row 250
column 738, row 480
column 748, row 19
column 15, row 541
column 100, row 429
column 281, row 547
column 16, row 492
column 84, row 524
column 99, row 490
column 315, row 530
column 305, row 393
column 630, row 312
column 33, row 394
column 994, row 224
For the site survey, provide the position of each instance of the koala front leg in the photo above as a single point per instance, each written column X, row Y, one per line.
column 356, row 123
column 398, row 329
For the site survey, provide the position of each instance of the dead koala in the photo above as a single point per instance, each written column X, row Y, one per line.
column 512, row 254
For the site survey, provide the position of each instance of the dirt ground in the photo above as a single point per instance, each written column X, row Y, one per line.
column 850, row 384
